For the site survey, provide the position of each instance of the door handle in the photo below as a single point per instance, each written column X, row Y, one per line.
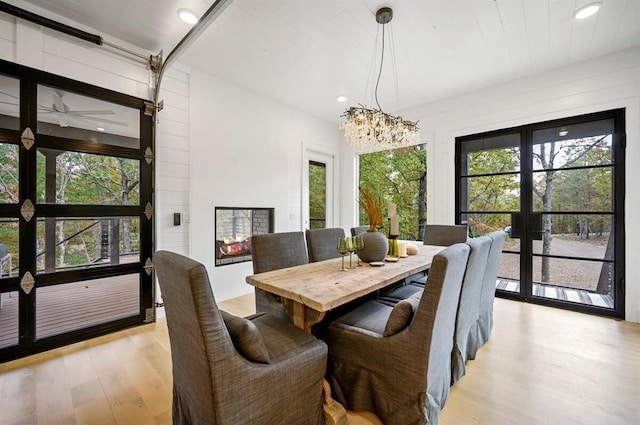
column 535, row 224
column 515, row 230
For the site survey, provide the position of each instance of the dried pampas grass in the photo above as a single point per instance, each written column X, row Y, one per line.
column 372, row 205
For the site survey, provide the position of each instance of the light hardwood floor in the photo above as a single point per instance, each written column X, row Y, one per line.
column 541, row 366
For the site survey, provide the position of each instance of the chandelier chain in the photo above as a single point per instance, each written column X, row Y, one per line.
column 380, row 71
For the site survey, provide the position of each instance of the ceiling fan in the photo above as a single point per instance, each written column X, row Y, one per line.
column 64, row 114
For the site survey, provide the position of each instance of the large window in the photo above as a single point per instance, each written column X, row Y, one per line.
column 398, row 176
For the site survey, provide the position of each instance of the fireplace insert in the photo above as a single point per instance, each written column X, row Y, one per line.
column 234, row 227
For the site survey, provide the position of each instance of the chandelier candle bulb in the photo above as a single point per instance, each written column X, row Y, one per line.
column 395, row 225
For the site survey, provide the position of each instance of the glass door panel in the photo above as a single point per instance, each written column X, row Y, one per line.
column 9, row 103
column 563, row 184
column 75, row 116
column 76, row 212
column 317, row 195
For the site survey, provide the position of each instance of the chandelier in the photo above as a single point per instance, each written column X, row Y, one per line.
column 367, row 128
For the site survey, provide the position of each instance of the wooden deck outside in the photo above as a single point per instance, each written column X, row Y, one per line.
column 72, row 306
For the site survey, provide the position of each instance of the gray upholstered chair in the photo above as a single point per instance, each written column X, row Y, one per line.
column 321, row 243
column 466, row 336
column 274, row 251
column 488, row 291
column 396, row 361
column 440, row 235
column 355, row 231
column 230, row 370
column 444, row 235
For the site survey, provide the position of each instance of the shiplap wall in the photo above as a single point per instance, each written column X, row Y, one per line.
column 173, row 159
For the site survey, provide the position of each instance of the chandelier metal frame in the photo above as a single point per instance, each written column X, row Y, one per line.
column 370, row 128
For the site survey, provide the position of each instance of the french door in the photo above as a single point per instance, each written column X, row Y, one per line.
column 317, row 188
column 557, row 189
column 75, row 211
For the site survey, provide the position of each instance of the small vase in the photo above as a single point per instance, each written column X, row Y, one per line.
column 375, row 246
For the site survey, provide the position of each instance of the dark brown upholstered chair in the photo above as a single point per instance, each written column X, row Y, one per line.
column 355, row 231
column 229, row 370
column 396, row 361
column 322, row 243
column 488, row 291
column 466, row 336
column 274, row 251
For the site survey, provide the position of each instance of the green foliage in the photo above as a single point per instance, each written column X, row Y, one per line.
column 398, row 176
column 495, row 193
column 317, row 195
column 9, row 183
column 86, row 179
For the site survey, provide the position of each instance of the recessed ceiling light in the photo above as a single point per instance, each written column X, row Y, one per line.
column 187, row 16
column 341, row 98
column 587, row 10
column 100, row 128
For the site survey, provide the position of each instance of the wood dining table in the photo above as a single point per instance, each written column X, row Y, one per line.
column 310, row 290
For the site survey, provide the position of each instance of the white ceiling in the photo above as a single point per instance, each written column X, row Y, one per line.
column 305, row 53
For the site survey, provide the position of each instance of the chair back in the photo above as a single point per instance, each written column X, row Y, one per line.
column 355, row 231
column 197, row 333
column 488, row 291
column 274, row 251
column 321, row 243
column 436, row 316
column 444, row 235
column 465, row 338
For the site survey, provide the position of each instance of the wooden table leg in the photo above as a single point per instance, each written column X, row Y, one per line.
column 303, row 317
column 334, row 412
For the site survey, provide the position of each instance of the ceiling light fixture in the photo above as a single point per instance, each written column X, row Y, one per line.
column 587, row 10
column 187, row 16
column 100, row 129
column 368, row 128
column 341, row 98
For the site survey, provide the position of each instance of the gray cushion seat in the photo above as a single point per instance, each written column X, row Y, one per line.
column 230, row 370
column 404, row 377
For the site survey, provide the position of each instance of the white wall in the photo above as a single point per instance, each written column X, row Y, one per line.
column 246, row 151
column 597, row 85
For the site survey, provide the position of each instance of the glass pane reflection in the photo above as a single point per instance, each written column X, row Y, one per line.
column 9, row 103
column 74, row 116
